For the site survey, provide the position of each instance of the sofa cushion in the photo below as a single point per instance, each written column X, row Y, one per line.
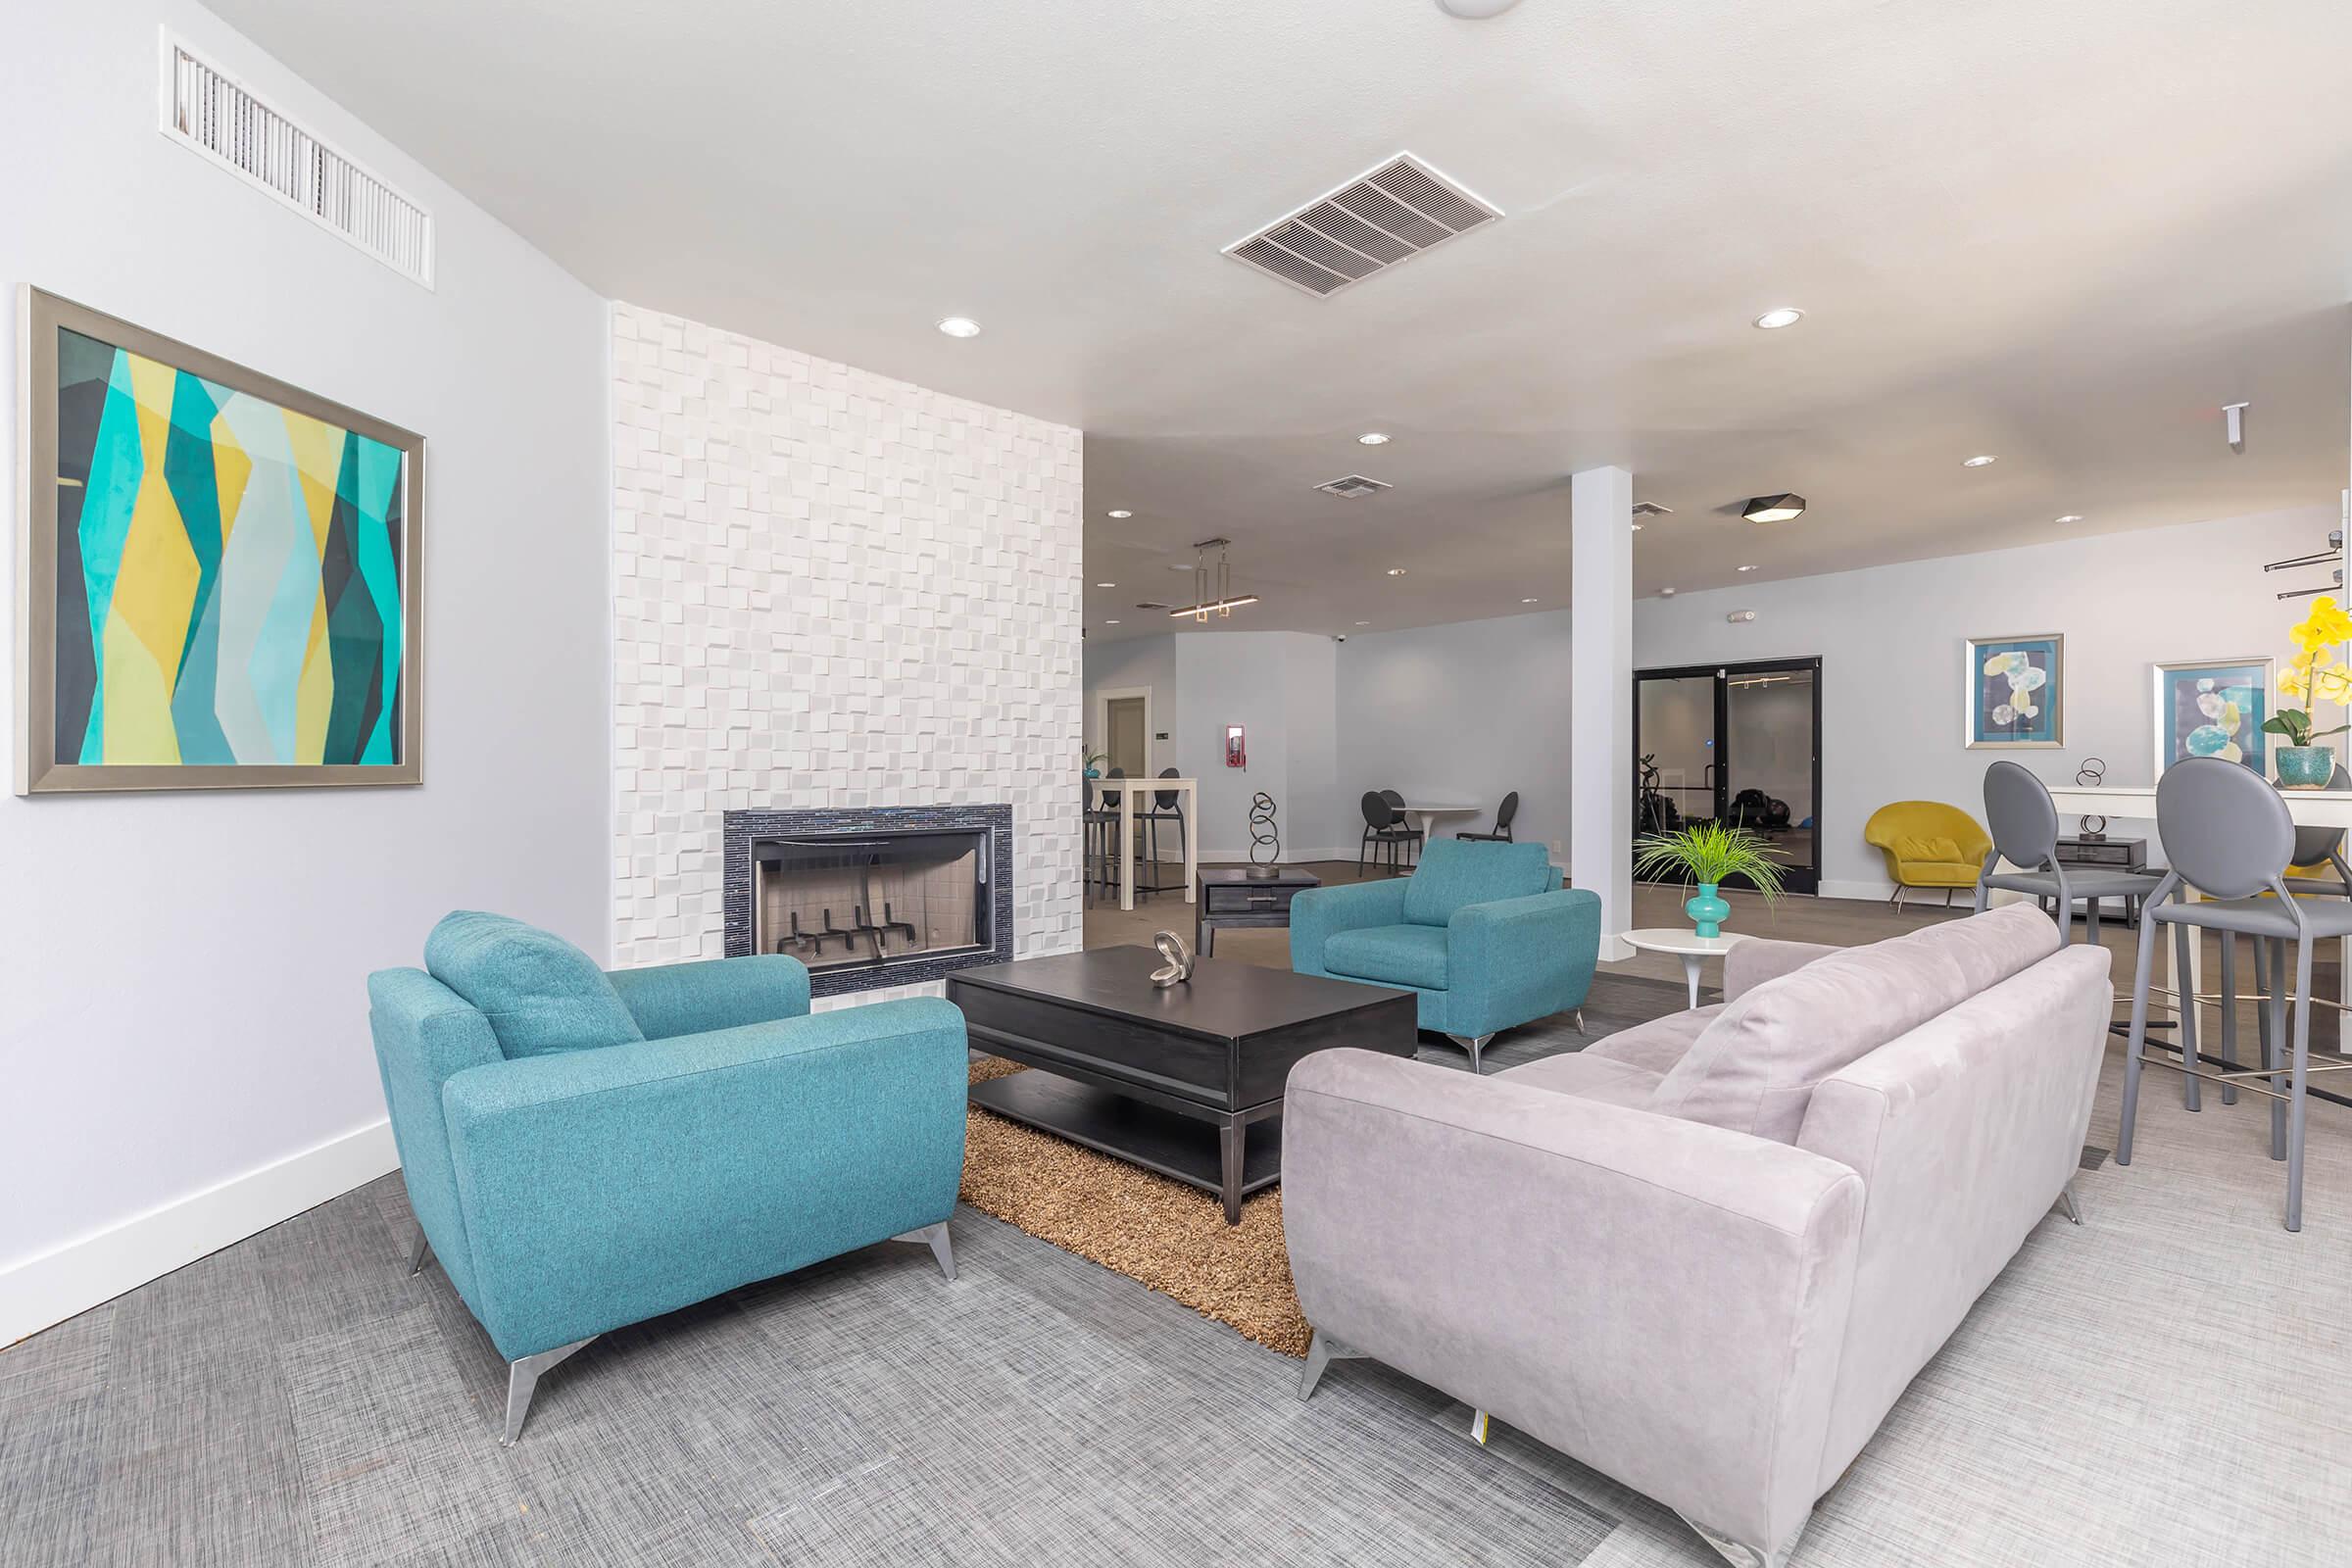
column 1400, row 955
column 1588, row 1076
column 1912, row 848
column 1656, row 1045
column 1753, row 1069
column 1460, row 871
column 539, row 991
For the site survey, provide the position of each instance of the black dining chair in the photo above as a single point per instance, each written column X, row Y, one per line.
column 1383, row 826
column 1165, row 806
column 1102, row 834
column 1503, row 814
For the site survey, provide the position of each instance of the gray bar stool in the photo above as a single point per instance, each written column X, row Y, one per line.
column 2227, row 835
column 2025, row 832
column 2316, row 847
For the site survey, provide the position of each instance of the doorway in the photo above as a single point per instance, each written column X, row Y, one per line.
column 1127, row 723
column 1738, row 744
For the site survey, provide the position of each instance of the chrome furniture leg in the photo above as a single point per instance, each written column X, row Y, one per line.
column 1321, row 1352
column 522, row 1381
column 419, row 1254
column 1580, row 1021
column 935, row 1237
column 2065, row 1201
column 1473, row 1044
column 1738, row 1553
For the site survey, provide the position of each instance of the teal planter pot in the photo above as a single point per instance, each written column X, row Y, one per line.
column 1708, row 911
column 2304, row 768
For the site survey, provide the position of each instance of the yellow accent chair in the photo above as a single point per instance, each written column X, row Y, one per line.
column 1927, row 845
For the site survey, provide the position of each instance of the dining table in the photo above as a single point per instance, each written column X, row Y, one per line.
column 1187, row 791
column 2137, row 803
column 1419, row 816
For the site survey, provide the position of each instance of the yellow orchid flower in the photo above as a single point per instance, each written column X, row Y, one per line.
column 2296, row 682
column 2325, row 627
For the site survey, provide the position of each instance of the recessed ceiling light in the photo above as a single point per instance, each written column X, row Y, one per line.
column 1395, row 571
column 1121, row 512
column 1779, row 317
column 1982, row 460
column 1665, row 593
column 1782, row 508
column 1372, row 438
column 2072, row 516
column 959, row 327
column 1748, row 568
column 1111, row 623
column 1363, row 623
column 1106, row 585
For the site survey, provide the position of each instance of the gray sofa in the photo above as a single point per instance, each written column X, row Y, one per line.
column 1705, row 1256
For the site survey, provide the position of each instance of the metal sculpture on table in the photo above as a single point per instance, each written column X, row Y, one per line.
column 1179, row 967
column 1265, row 839
column 2090, row 775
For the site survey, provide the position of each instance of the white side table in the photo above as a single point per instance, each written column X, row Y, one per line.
column 1689, row 945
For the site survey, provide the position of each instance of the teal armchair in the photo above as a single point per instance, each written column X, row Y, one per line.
column 1482, row 933
column 584, row 1151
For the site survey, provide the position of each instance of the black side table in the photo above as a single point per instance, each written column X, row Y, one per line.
column 1229, row 896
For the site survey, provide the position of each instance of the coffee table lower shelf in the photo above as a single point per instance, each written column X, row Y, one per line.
column 1190, row 1149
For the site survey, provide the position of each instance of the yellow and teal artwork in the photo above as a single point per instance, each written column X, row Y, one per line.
column 225, row 568
column 2215, row 707
column 2016, row 686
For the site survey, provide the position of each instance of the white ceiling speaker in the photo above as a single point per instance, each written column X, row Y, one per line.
column 1474, row 10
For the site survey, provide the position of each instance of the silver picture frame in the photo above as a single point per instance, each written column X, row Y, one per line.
column 1981, row 738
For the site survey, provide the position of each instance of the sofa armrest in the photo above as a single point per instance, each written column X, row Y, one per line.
column 692, row 998
column 604, row 1187
column 1320, row 913
column 1750, row 963
column 1661, row 1299
column 1514, row 960
column 425, row 1034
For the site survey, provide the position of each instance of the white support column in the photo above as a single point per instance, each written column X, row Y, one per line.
column 1602, row 712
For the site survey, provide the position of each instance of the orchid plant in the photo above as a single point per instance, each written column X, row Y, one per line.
column 2313, row 675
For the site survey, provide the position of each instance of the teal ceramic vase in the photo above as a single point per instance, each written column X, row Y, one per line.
column 1093, row 772
column 2304, row 768
column 1707, row 910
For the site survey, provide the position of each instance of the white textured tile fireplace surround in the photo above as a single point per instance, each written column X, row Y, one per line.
column 831, row 589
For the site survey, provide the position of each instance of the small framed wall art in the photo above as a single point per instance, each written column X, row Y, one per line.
column 2213, row 707
column 216, row 573
column 2016, row 688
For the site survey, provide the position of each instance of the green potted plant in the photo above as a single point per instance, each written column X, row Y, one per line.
column 1093, row 763
column 2312, row 675
column 1706, row 853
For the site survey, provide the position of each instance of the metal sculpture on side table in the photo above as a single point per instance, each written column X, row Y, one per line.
column 1264, row 836
column 2090, row 775
column 1179, row 967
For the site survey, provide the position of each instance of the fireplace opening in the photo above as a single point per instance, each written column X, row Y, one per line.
column 873, row 897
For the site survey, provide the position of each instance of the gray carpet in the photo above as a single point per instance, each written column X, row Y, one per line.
column 2165, row 1384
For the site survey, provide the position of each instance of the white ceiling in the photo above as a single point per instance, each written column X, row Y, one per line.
column 2062, row 233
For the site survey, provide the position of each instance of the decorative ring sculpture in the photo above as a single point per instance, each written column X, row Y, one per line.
column 1179, row 967
column 2090, row 775
column 1264, row 836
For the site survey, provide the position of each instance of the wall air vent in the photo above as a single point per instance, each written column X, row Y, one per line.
column 1353, row 486
column 1369, row 225
column 213, row 115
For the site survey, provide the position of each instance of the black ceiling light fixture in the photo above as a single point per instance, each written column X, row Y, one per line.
column 1784, row 507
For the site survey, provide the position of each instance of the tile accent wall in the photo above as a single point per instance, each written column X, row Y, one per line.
column 831, row 590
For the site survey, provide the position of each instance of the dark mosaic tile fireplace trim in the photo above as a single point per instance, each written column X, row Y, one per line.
column 742, row 827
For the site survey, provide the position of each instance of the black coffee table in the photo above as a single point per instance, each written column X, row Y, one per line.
column 1134, row 1070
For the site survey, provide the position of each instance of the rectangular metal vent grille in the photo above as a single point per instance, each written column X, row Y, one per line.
column 210, row 113
column 1369, row 225
column 1650, row 508
column 1353, row 486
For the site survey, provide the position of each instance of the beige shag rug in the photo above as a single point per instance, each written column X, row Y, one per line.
column 1170, row 1236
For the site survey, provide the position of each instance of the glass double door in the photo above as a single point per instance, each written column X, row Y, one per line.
column 1739, row 744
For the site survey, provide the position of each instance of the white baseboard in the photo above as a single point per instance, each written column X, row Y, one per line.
column 51, row 1287
column 1880, row 890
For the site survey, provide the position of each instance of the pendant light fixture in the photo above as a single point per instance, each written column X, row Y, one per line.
column 1212, row 586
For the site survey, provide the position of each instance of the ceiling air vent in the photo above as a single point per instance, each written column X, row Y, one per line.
column 213, row 115
column 1367, row 225
column 1153, row 604
column 1353, row 486
column 1650, row 508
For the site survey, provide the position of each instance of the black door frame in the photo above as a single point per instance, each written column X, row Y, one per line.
column 1797, row 879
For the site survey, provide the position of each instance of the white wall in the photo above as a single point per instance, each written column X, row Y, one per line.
column 832, row 589
column 1460, row 714
column 182, row 977
column 1278, row 686
column 1890, row 639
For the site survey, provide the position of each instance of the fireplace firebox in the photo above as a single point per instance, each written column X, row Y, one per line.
column 881, row 897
